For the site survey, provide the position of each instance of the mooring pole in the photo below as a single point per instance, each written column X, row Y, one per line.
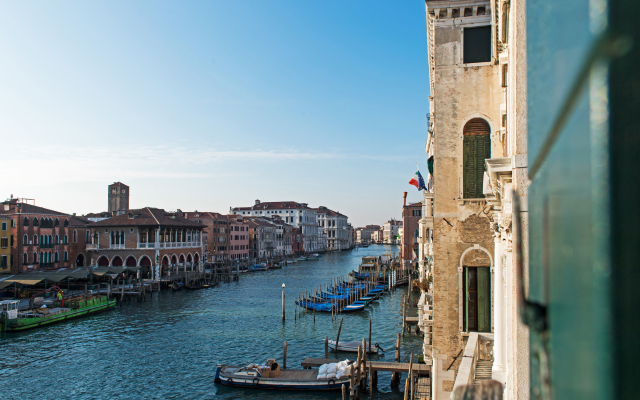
column 338, row 338
column 283, row 302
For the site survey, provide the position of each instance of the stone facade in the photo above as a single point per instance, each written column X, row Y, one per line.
column 477, row 144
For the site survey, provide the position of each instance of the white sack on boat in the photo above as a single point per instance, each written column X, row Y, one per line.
column 323, row 369
column 322, row 376
column 332, row 368
column 331, row 376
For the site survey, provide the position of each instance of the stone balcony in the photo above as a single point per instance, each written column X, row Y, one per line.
column 425, row 322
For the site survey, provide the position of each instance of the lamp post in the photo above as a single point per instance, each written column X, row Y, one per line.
column 283, row 302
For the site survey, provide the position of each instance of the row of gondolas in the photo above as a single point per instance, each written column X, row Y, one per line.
column 344, row 297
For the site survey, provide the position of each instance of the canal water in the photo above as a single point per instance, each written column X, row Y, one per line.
column 168, row 347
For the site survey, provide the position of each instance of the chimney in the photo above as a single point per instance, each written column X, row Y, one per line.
column 404, row 199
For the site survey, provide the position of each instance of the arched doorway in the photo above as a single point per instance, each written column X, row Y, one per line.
column 131, row 261
column 476, row 147
column 181, row 259
column 476, row 290
column 80, row 260
column 189, row 258
column 103, row 261
column 145, row 271
column 164, row 266
column 117, row 261
column 174, row 260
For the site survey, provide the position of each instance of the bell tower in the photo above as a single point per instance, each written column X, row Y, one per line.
column 118, row 197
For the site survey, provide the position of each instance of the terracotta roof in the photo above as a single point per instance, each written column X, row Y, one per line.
column 118, row 184
column 273, row 205
column 149, row 217
column 78, row 221
column 415, row 204
column 26, row 208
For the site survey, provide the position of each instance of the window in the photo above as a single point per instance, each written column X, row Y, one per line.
column 4, row 226
column 25, row 258
column 86, row 236
column 4, row 242
column 75, row 236
column 66, row 256
column 55, row 257
column 56, row 239
column 35, row 221
column 477, row 45
column 66, row 239
column 25, row 221
column 25, row 240
column 417, row 213
column 476, row 148
column 477, row 295
column 43, row 223
column 3, row 262
column 66, row 222
column 35, row 258
column 57, row 222
column 35, row 239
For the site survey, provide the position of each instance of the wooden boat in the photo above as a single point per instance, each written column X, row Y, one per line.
column 203, row 286
column 258, row 268
column 177, row 286
column 352, row 346
column 12, row 320
column 288, row 379
column 301, row 259
column 276, row 266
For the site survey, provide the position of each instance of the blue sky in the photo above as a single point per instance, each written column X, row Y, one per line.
column 212, row 104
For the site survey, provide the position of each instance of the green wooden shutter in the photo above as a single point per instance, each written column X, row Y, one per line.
column 468, row 157
column 465, row 303
column 484, row 300
column 484, row 152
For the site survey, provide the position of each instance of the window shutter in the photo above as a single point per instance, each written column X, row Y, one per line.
column 468, row 156
column 484, row 300
column 483, row 152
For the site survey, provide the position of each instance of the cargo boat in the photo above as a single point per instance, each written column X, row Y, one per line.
column 13, row 320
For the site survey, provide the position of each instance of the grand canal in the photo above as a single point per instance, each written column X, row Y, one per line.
column 168, row 347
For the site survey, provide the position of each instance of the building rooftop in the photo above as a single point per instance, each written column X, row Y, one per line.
column 149, row 217
column 273, row 205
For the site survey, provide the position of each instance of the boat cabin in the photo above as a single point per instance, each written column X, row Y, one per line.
column 9, row 308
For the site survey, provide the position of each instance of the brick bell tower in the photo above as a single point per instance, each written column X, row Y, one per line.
column 118, row 197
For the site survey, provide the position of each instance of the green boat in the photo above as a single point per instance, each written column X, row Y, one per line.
column 12, row 320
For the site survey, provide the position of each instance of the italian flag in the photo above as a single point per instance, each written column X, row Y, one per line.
column 417, row 180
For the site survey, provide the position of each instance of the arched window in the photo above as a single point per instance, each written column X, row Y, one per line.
column 86, row 236
column 35, row 239
column 66, row 239
column 476, row 148
column 49, row 257
column 56, row 240
column 50, row 240
column 35, row 221
column 25, row 222
column 35, row 258
column 66, row 222
column 42, row 243
column 66, row 256
column 41, row 257
column 57, row 222
column 43, row 222
column 25, row 240
column 55, row 257
column 25, row 258
column 75, row 236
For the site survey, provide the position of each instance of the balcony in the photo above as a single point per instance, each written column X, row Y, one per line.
column 92, row 246
column 117, row 246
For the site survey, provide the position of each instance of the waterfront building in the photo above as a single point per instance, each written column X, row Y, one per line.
column 363, row 235
column 5, row 244
column 151, row 238
column 41, row 236
column 390, row 231
column 334, row 225
column 293, row 213
column 411, row 215
column 80, row 236
column 270, row 237
column 377, row 236
column 476, row 151
column 222, row 242
column 297, row 242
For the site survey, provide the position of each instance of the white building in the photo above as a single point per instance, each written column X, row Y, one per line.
column 335, row 228
column 292, row 213
column 390, row 234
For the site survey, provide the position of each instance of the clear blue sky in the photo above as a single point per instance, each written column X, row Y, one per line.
column 211, row 104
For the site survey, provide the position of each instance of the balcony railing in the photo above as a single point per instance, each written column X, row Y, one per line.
column 117, row 246
column 168, row 245
column 477, row 352
column 92, row 246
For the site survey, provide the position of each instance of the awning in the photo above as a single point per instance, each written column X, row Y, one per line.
column 5, row 284
column 26, row 281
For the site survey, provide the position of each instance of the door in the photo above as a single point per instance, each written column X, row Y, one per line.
column 477, row 305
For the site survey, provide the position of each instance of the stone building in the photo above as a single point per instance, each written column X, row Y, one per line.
column 293, row 213
column 335, row 227
column 151, row 238
column 80, row 236
column 390, row 231
column 411, row 214
column 477, row 153
column 41, row 236
column 226, row 237
column 5, row 244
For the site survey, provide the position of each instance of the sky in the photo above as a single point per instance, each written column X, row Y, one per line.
column 207, row 105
